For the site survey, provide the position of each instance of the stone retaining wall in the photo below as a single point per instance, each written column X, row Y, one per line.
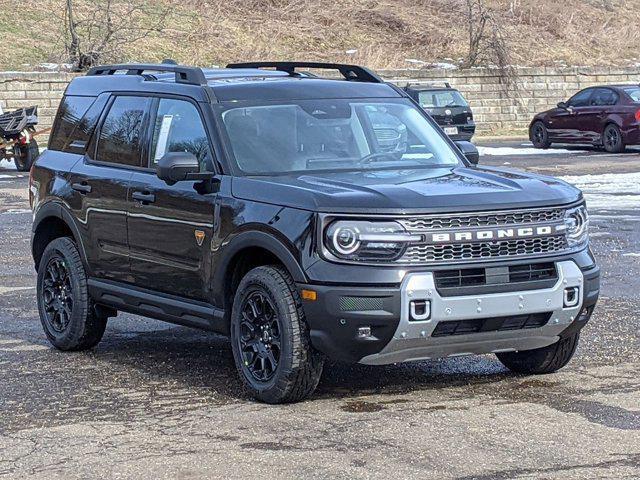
column 495, row 112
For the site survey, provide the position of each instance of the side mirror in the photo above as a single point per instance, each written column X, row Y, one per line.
column 563, row 105
column 470, row 152
column 177, row 167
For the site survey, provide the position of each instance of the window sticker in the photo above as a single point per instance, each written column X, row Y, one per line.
column 163, row 137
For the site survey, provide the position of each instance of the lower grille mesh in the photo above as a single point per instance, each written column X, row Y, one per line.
column 477, row 325
column 484, row 250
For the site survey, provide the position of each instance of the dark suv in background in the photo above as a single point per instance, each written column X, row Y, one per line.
column 606, row 116
column 263, row 204
column 447, row 107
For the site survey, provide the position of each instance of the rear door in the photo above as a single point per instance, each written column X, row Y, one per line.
column 101, row 183
column 171, row 227
column 591, row 119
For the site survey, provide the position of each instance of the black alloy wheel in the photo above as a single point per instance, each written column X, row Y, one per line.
column 57, row 294
column 270, row 338
column 259, row 338
column 612, row 139
column 540, row 136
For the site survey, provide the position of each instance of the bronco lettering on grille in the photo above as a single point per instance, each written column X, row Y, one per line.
column 493, row 234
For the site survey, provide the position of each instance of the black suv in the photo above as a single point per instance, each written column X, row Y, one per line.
column 448, row 108
column 258, row 201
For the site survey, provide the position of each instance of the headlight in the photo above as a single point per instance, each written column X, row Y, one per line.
column 367, row 241
column 576, row 222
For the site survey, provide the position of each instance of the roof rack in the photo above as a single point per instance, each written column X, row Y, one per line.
column 427, row 84
column 184, row 74
column 352, row 73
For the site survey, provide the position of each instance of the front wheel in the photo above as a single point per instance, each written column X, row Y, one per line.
column 270, row 338
column 541, row 360
column 612, row 139
column 540, row 136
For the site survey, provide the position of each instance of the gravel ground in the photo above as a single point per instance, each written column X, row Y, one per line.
column 158, row 401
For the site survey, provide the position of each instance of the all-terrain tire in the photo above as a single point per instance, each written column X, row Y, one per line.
column 299, row 365
column 541, row 360
column 540, row 135
column 612, row 139
column 25, row 155
column 82, row 327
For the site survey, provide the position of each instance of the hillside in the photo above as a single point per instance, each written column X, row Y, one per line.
column 381, row 34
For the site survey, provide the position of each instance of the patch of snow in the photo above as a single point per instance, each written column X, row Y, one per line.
column 445, row 65
column 351, row 51
column 16, row 211
column 513, row 151
column 633, row 254
column 609, row 191
column 56, row 67
column 7, row 164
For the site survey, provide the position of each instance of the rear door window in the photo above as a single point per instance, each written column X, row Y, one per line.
column 123, row 130
column 603, row 97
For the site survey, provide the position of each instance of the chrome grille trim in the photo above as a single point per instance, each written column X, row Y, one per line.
column 484, row 219
column 469, row 252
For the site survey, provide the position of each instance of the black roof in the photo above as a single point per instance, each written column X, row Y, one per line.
column 239, row 82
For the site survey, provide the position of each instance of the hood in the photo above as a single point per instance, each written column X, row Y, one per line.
column 407, row 191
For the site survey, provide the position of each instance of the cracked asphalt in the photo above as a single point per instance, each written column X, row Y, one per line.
column 159, row 401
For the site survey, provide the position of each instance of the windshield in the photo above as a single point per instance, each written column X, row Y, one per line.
column 331, row 135
column 441, row 98
column 633, row 92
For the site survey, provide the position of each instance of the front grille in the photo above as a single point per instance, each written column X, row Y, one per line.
column 386, row 134
column 499, row 324
column 470, row 277
column 484, row 250
column 491, row 219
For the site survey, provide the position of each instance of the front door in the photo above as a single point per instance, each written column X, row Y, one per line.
column 171, row 227
column 564, row 123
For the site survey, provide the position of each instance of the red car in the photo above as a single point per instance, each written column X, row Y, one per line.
column 606, row 116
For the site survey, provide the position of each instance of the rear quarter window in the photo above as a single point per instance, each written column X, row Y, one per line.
column 75, row 123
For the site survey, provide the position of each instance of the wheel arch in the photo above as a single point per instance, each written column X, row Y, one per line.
column 246, row 251
column 53, row 221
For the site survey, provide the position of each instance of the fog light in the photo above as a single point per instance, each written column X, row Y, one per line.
column 364, row 332
column 571, row 296
column 419, row 310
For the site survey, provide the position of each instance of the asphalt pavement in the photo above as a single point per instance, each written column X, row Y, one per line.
column 159, row 401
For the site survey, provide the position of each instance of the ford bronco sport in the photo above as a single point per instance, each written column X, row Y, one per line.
column 306, row 218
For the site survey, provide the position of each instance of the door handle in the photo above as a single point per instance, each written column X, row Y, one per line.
column 144, row 197
column 81, row 187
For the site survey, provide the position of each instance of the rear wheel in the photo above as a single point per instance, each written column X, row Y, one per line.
column 540, row 136
column 68, row 316
column 270, row 338
column 541, row 360
column 612, row 139
column 25, row 155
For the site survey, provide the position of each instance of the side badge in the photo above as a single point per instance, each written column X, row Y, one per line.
column 199, row 237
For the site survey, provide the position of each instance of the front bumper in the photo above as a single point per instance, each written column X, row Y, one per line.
column 337, row 317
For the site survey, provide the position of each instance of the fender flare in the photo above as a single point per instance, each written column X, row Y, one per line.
column 258, row 239
column 56, row 210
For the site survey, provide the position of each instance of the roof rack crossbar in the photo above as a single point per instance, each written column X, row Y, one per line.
column 352, row 73
column 188, row 75
column 432, row 83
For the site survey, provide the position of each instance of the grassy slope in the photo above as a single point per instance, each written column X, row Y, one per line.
column 384, row 32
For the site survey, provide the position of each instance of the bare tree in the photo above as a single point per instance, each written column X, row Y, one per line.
column 487, row 44
column 96, row 32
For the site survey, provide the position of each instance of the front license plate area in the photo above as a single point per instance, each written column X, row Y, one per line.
column 451, row 130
